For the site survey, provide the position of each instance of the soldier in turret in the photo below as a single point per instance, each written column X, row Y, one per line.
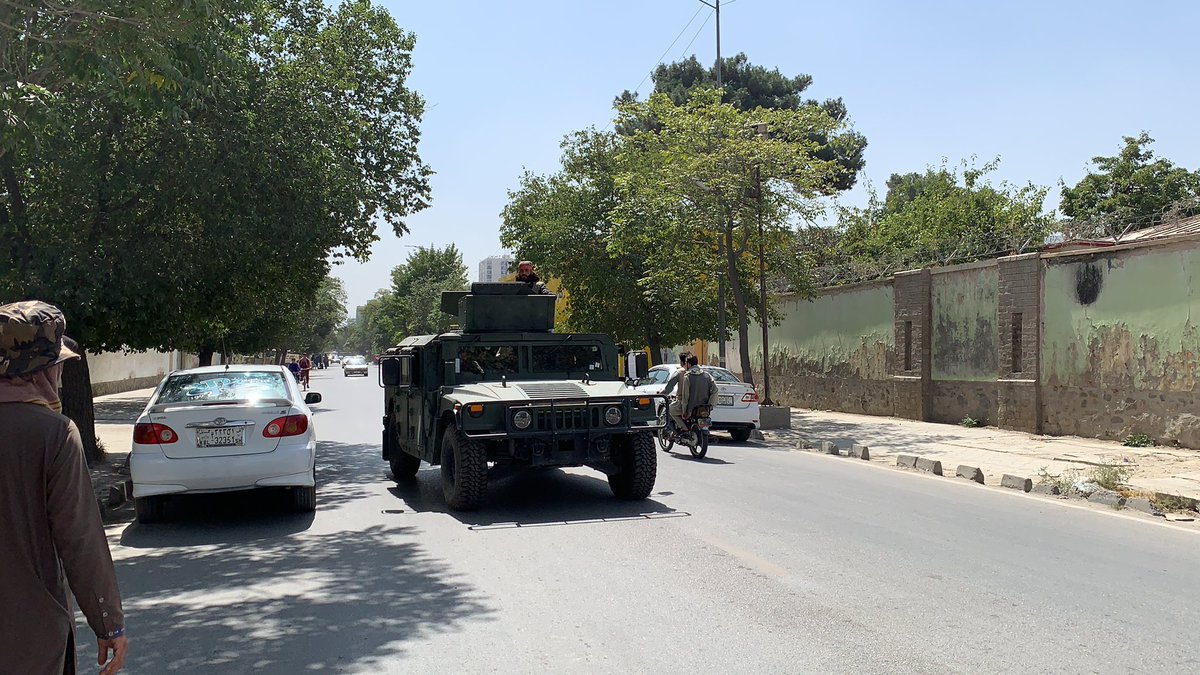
column 526, row 275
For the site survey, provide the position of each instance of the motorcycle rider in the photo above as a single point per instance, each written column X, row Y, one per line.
column 672, row 382
column 696, row 388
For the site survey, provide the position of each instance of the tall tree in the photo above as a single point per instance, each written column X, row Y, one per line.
column 748, row 87
column 725, row 183
column 417, row 287
column 202, row 221
column 1129, row 190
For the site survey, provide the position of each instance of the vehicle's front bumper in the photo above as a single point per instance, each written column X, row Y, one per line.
column 154, row 473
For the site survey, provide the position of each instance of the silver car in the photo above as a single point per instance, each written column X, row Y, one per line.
column 354, row 365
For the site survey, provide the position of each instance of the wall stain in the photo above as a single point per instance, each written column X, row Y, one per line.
column 1088, row 282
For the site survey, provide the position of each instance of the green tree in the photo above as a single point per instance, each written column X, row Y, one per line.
column 311, row 326
column 201, row 222
column 938, row 217
column 748, row 87
column 1129, row 189
column 722, row 189
column 417, row 287
column 609, row 272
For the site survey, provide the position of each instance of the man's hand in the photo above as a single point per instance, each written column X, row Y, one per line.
column 119, row 646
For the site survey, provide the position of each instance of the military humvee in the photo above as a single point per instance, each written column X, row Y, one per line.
column 506, row 389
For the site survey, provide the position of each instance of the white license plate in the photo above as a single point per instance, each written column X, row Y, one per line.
column 220, row 437
column 724, row 400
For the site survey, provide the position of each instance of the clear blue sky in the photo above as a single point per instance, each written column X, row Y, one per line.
column 1043, row 85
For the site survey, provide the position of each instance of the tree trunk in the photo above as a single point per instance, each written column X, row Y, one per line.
column 739, row 301
column 77, row 404
column 205, row 355
column 654, row 344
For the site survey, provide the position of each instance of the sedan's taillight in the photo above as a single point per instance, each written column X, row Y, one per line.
column 292, row 425
column 148, row 433
column 750, row 397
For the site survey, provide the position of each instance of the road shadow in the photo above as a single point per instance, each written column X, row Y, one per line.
column 707, row 459
column 880, row 434
column 120, row 410
column 345, row 600
column 530, row 498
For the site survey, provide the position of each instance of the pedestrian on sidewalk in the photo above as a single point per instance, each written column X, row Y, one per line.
column 50, row 526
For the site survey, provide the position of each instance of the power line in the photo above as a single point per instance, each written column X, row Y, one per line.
column 668, row 49
column 689, row 44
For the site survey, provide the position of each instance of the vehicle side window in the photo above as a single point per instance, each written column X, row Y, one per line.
column 661, row 376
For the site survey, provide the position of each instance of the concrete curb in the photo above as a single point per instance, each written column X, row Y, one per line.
column 1016, row 482
column 932, row 466
column 830, row 448
column 971, row 473
column 907, row 461
column 860, row 451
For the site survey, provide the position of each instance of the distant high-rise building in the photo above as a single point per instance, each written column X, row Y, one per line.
column 494, row 267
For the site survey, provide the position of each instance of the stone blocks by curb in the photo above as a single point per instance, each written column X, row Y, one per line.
column 860, row 451
column 972, row 473
column 1143, row 505
column 1107, row 497
column 774, row 417
column 757, row 435
column 1047, row 489
column 933, row 466
column 830, row 448
column 909, row 461
column 1016, row 482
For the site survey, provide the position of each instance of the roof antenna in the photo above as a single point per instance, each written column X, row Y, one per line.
column 224, row 354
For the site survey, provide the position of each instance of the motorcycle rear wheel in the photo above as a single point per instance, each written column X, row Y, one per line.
column 700, row 446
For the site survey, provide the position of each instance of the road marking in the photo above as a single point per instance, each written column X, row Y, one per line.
column 585, row 521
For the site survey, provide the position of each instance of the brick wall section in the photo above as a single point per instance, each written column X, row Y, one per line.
column 911, row 367
column 1019, row 344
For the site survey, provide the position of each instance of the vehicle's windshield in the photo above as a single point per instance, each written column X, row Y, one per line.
column 488, row 360
column 721, row 375
column 231, row 385
column 356, row 361
column 567, row 358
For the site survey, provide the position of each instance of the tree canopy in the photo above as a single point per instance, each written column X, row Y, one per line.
column 1129, row 190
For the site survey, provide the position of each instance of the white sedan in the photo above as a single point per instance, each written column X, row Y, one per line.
column 224, row 428
column 736, row 410
column 354, row 365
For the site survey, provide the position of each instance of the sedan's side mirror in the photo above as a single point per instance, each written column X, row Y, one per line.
column 311, row 398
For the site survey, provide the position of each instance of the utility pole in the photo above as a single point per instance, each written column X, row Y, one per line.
column 716, row 5
column 761, row 131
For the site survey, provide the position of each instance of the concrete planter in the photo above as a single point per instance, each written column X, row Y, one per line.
column 774, row 417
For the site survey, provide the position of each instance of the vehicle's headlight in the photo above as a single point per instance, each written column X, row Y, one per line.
column 522, row 419
column 612, row 416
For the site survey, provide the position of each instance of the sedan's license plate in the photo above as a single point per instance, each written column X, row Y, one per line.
column 223, row 436
column 724, row 400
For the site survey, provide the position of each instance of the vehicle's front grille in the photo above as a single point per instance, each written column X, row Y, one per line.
column 561, row 419
column 537, row 390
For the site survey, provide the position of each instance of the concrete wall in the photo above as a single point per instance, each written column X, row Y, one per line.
column 963, row 360
column 1121, row 344
column 832, row 352
column 1102, row 343
column 115, row 372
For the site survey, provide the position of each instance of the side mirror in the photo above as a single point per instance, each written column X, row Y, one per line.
column 396, row 371
column 311, row 398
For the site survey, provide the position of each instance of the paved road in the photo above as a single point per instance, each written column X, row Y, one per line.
column 758, row 560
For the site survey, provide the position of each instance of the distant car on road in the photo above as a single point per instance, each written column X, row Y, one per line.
column 736, row 409
column 224, row 428
column 354, row 365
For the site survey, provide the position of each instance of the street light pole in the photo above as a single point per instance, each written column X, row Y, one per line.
column 716, row 5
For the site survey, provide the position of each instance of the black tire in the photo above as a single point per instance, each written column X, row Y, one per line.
column 149, row 509
column 637, row 467
column 403, row 465
column 464, row 471
column 665, row 443
column 740, row 435
column 304, row 499
column 700, row 449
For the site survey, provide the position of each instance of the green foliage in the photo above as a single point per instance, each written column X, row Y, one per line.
column 969, row 422
column 1111, row 476
column 940, row 216
column 1138, row 441
column 1173, row 503
column 1129, row 188
column 748, row 87
column 311, row 325
column 212, row 217
column 1063, row 483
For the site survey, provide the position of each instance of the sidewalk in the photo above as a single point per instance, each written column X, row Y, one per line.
column 1156, row 469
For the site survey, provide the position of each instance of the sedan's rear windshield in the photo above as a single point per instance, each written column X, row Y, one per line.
column 225, row 386
column 356, row 361
column 721, row 375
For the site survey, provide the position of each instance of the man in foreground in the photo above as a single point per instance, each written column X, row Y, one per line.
column 526, row 275
column 49, row 520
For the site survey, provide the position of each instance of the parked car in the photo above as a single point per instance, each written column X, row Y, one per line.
column 354, row 365
column 736, row 409
column 224, row 428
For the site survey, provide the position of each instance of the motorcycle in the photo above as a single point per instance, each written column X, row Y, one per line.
column 695, row 436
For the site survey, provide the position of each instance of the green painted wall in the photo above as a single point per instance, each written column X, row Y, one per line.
column 840, row 333
column 964, row 324
column 1123, row 319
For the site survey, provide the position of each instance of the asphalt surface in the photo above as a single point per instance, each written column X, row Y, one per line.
column 759, row 560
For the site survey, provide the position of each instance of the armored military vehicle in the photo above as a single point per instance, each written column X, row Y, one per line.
column 506, row 389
